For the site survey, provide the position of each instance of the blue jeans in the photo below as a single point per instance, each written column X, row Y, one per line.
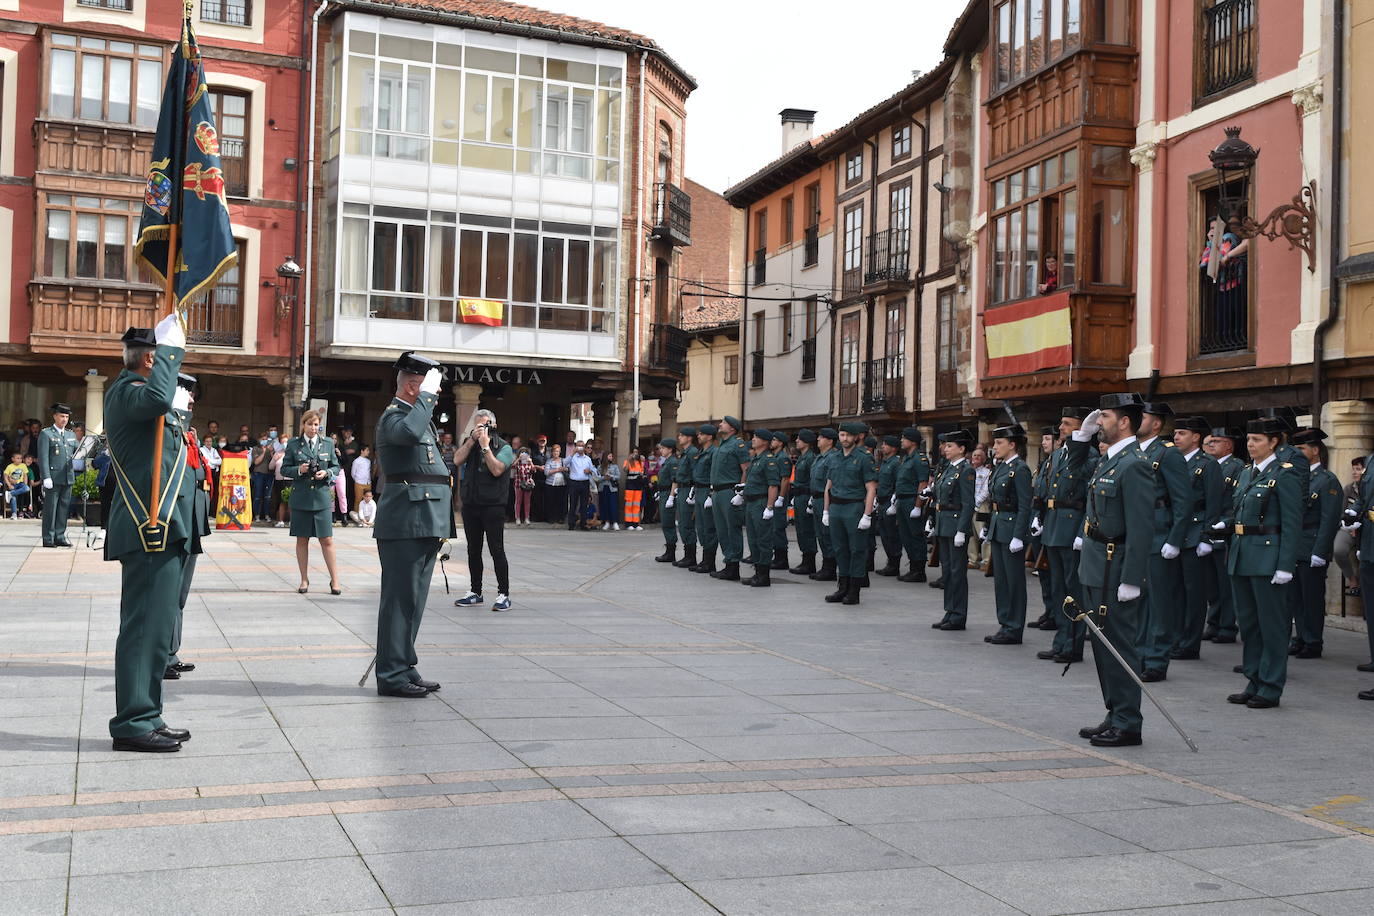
column 12, row 496
column 609, row 506
column 262, row 495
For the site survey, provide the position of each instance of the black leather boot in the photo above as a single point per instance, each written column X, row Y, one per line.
column 669, row 554
column 761, row 577
column 826, row 572
column 727, row 573
column 892, row 568
column 689, row 557
column 708, row 562
column 806, row 567
column 838, row 594
column 779, row 559
column 852, row 595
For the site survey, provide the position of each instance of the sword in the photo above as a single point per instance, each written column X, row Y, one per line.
column 1073, row 613
column 372, row 664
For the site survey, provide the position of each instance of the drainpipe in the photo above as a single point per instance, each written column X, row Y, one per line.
column 746, row 365
column 921, row 260
column 1337, row 152
column 872, row 300
column 636, row 290
column 310, row 208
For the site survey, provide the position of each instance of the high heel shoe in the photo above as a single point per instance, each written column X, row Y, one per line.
column 334, row 589
column 303, row 589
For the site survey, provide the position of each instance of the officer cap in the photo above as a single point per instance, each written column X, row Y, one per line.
column 733, row 422
column 687, row 431
column 142, row 337
column 1307, row 437
column 415, row 364
column 706, row 429
column 1124, row 399
column 828, row 432
column 779, row 436
column 667, row 443
column 1015, row 431
column 1049, row 430
column 1227, row 432
column 186, row 381
column 1285, row 415
column 958, row 437
column 893, row 441
column 870, row 442
column 1193, row 424
column 1269, row 426
column 1077, row 413
column 806, row 435
column 765, row 434
column 853, row 427
column 1158, row 409
column 61, row 408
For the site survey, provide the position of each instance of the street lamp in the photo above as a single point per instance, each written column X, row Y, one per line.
column 1234, row 160
column 288, row 274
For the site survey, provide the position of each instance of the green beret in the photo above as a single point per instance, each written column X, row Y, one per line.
column 854, row 427
column 912, row 434
column 687, row 431
column 893, row 441
column 829, row 433
column 806, row 436
column 734, row 422
column 706, row 429
column 870, row 442
column 779, row 436
column 764, row 434
column 667, row 443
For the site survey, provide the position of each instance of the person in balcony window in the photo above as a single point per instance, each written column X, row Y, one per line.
column 1230, row 273
column 1050, row 283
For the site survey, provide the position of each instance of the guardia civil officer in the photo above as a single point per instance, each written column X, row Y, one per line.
column 1221, row 611
column 151, row 552
column 707, row 536
column 802, row 518
column 1172, row 503
column 414, row 514
column 663, row 492
column 1320, row 515
column 200, row 523
column 913, row 476
column 680, row 497
column 312, row 464
column 890, row 462
column 1359, row 522
column 1266, row 516
column 826, row 437
column 777, row 453
column 1116, row 546
column 1203, row 506
column 761, row 485
column 1061, row 526
column 1008, row 530
column 56, row 446
column 728, row 466
column 850, row 491
column 952, row 523
column 1035, row 554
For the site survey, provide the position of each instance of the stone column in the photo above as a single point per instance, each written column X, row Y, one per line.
column 624, row 417
column 95, row 404
column 667, row 422
column 1349, row 426
column 603, row 420
column 465, row 403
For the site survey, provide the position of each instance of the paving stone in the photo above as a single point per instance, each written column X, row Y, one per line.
column 480, row 825
column 997, row 839
column 915, row 803
column 906, row 891
column 39, row 897
column 31, row 858
column 704, row 813
column 764, row 853
column 651, row 900
column 1198, row 826
column 606, row 751
column 1105, row 793
column 1291, row 868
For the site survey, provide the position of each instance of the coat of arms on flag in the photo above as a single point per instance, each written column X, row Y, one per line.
column 481, row 311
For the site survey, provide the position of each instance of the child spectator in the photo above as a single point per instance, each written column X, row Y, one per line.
column 522, row 480
column 16, row 483
column 367, row 509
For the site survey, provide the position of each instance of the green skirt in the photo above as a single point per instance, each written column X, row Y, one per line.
column 312, row 524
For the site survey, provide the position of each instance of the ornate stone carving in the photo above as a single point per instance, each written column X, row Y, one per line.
column 975, row 63
column 1143, row 156
column 1308, row 98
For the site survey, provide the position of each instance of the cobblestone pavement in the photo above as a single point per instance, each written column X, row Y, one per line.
column 632, row 738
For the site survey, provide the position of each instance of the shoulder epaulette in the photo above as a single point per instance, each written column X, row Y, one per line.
column 1168, row 445
column 1286, row 464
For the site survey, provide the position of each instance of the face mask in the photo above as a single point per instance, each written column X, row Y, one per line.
column 271, row 434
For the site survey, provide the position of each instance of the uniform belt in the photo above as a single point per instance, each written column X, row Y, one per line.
column 1102, row 538
column 716, row 488
column 754, row 497
column 946, row 507
column 837, row 501
column 998, row 507
column 1038, row 502
column 911, row 495
column 1257, row 529
column 661, row 487
column 1310, row 527
column 800, row 491
column 416, row 478
column 982, row 516
column 1064, row 504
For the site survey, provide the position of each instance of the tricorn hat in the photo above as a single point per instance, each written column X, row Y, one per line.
column 61, row 408
column 1312, row 436
column 1268, row 426
column 414, row 363
column 1014, row 431
column 1193, row 424
column 142, row 337
column 1123, row 399
column 958, row 437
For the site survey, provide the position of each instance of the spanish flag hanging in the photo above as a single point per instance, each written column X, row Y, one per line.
column 480, row 311
column 1029, row 336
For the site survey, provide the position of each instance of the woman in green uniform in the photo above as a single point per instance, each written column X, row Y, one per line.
column 1321, row 514
column 312, row 465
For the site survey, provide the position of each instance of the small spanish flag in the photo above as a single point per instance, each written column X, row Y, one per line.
column 1029, row 336
column 480, row 311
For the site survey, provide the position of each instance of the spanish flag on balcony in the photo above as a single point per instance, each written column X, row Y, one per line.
column 480, row 311
column 1029, row 336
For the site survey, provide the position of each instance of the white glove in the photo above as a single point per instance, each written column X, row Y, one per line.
column 432, row 380
column 1169, row 552
column 1091, row 424
column 825, row 517
column 809, row 510
column 960, row 539
column 1126, row 592
column 707, row 504
column 767, row 513
column 930, row 528
column 778, row 503
column 1037, row 528
column 1316, row 562
column 1077, row 543
column 169, row 333
column 737, row 499
column 891, row 508
column 1352, row 527
column 984, row 535
column 670, row 501
column 915, row 512
column 1281, row 578
column 1016, row 545
column 181, row 399
column 47, row 483
column 865, row 522
column 1219, row 526
column 1204, row 548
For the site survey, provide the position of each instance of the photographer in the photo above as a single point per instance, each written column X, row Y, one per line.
column 311, row 464
column 486, row 460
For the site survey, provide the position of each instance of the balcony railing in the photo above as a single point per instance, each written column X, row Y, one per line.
column 760, row 267
column 216, row 319
column 812, row 246
column 1228, row 45
column 808, row 350
column 672, row 214
column 1224, row 310
column 851, row 283
column 668, row 348
column 756, row 369
column 848, row 402
column 884, row 383
column 889, row 257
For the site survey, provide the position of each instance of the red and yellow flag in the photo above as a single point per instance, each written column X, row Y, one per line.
column 480, row 311
column 1029, row 336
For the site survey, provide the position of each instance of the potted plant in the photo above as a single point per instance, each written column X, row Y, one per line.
column 84, row 489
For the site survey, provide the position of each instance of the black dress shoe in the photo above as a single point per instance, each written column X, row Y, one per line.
column 1004, row 639
column 1065, row 658
column 1224, row 640
column 1366, row 694
column 1115, row 737
column 1151, row 675
column 1047, row 654
column 939, row 624
column 1092, row 731
column 1240, row 699
column 45, row 544
column 1367, row 667
column 1209, row 634
column 184, row 666
column 171, row 674
column 1185, row 656
column 428, row 685
column 1309, row 652
column 148, row 743
column 951, row 625
column 936, row 583
column 1295, row 647
column 62, row 543
column 1261, row 703
column 409, row 691
column 1237, row 669
column 176, row 734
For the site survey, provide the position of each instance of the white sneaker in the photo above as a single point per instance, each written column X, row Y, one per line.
column 615, row 526
column 279, row 525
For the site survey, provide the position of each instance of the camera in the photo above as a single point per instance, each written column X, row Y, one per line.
column 311, row 470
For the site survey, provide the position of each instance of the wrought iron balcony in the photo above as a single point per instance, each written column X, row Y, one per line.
column 760, row 266
column 1228, row 45
column 884, row 383
column 851, row 283
column 668, row 348
column 672, row 214
column 812, row 242
column 889, row 258
column 808, row 351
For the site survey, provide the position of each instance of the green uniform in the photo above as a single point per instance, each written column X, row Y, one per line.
column 1172, row 501
column 701, row 490
column 667, row 515
column 887, row 522
column 912, row 474
column 1221, row 610
column 1307, row 594
column 55, row 450
column 200, row 528
column 1039, row 487
column 682, row 503
column 953, row 495
column 1266, row 510
column 763, row 474
column 850, row 474
column 1009, row 490
column 804, row 521
column 150, row 580
column 1365, row 517
column 1207, row 487
column 727, row 470
column 1117, row 547
column 1066, row 488
column 311, row 499
column 779, row 520
column 414, row 513
column 820, row 476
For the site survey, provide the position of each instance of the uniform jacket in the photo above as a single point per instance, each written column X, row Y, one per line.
column 1321, row 515
column 1066, row 492
column 763, row 473
column 683, row 476
column 1208, row 490
column 132, row 407
column 701, row 469
column 887, row 478
column 784, row 464
column 406, row 444
column 728, row 463
column 912, row 474
column 954, row 500
column 1270, row 498
column 1365, row 507
column 1011, row 496
column 820, row 474
column 1121, row 494
column 801, row 483
column 850, row 474
column 667, row 472
column 55, row 450
column 1040, row 485
column 308, row 494
column 1171, row 500
column 200, row 517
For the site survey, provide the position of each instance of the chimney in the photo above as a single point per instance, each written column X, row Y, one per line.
column 796, row 126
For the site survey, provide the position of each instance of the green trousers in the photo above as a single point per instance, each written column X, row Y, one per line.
column 954, row 574
column 1063, row 578
column 188, row 572
column 149, row 586
column 1164, row 609
column 1192, row 617
column 686, row 517
column 1122, row 626
column 1046, row 586
column 760, row 530
column 407, row 567
column 57, row 504
column 779, row 523
column 805, row 524
column 1262, row 616
column 1221, row 607
column 1009, row 587
column 889, row 530
column 707, row 536
column 851, row 544
column 729, row 525
column 823, row 537
column 912, row 532
column 667, row 518
column 1307, row 604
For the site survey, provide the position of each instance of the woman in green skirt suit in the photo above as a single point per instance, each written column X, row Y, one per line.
column 311, row 493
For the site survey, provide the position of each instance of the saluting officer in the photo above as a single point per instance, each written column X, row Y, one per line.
column 1116, row 546
column 802, row 518
column 826, row 452
column 761, row 486
column 680, row 497
column 56, row 446
column 1320, row 516
column 890, row 463
column 667, row 509
column 1039, row 490
column 850, row 492
column 777, row 453
column 1204, row 507
column 1266, row 513
column 1009, row 491
column 1221, row 610
column 1358, row 520
column 200, row 523
column 913, row 476
column 1172, row 502
column 952, row 523
column 1061, row 525
column 707, row 535
column 414, row 513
